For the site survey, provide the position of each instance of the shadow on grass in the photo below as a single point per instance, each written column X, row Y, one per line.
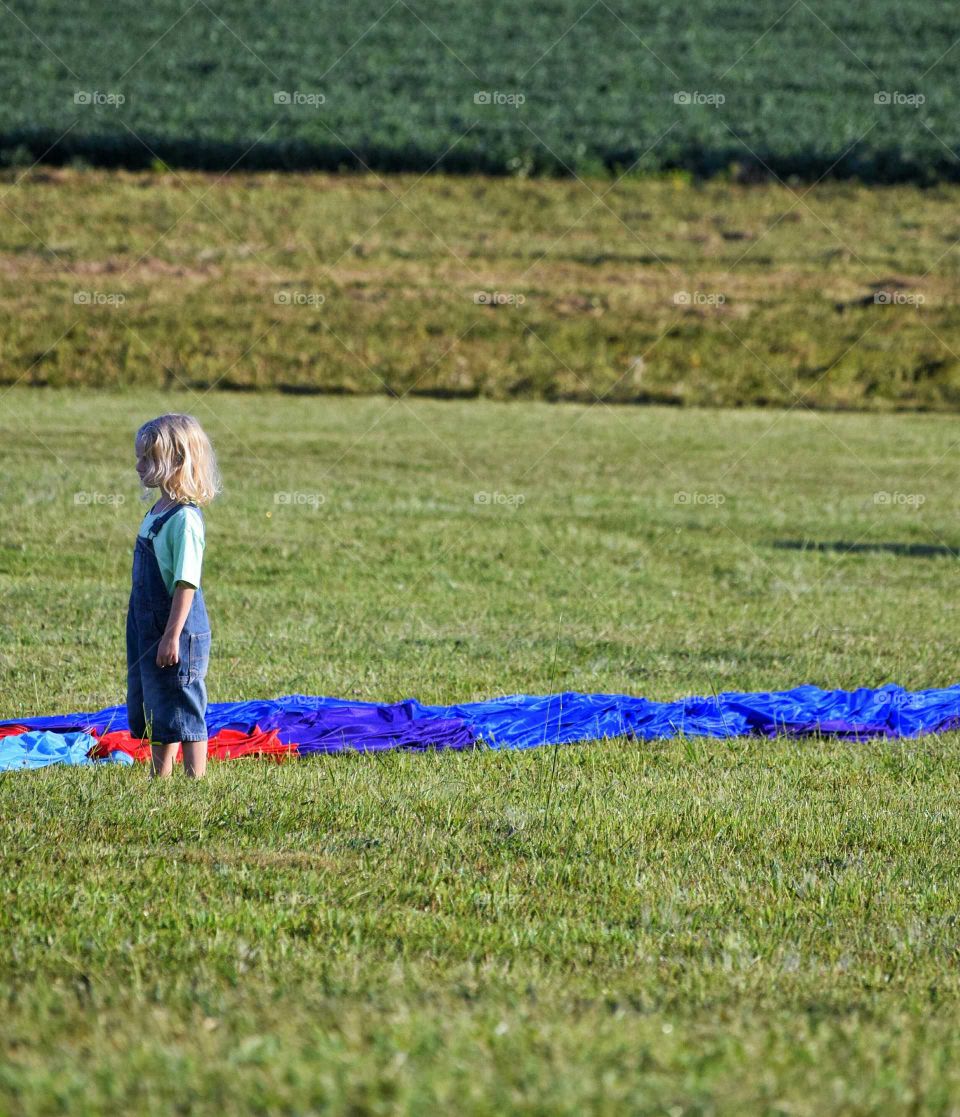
column 120, row 146
column 905, row 550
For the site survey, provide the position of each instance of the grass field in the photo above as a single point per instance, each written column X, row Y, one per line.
column 688, row 927
column 806, row 88
column 834, row 297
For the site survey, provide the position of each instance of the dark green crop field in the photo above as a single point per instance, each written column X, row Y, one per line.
column 802, row 88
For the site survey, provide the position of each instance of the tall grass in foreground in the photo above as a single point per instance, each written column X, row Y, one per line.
column 695, row 927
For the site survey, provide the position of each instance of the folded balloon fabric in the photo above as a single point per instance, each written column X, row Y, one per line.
column 300, row 724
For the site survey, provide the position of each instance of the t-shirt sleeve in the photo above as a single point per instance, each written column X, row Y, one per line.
column 186, row 548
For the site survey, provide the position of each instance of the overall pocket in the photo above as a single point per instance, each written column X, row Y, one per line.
column 194, row 657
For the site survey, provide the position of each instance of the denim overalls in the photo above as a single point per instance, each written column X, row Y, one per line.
column 168, row 703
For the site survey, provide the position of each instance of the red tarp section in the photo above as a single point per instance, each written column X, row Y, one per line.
column 228, row 744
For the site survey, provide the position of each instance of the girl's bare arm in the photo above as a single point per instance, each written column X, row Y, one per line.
column 168, row 650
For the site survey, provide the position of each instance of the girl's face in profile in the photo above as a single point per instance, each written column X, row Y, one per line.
column 142, row 464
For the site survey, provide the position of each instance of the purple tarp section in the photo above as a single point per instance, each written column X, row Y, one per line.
column 366, row 727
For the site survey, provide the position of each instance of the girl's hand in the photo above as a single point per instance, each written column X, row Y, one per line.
column 168, row 650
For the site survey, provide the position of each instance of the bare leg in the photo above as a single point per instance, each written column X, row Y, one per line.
column 195, row 759
column 162, row 758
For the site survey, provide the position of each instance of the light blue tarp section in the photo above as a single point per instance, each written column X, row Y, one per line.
column 39, row 749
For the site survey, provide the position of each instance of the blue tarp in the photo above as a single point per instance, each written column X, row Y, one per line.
column 525, row 721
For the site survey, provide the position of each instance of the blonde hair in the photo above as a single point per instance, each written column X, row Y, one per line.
column 180, row 459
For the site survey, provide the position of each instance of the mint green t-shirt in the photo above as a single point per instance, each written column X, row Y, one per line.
column 178, row 546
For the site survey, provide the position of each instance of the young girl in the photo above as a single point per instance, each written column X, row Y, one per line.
column 168, row 632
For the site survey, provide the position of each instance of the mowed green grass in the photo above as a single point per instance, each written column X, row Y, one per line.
column 681, row 927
